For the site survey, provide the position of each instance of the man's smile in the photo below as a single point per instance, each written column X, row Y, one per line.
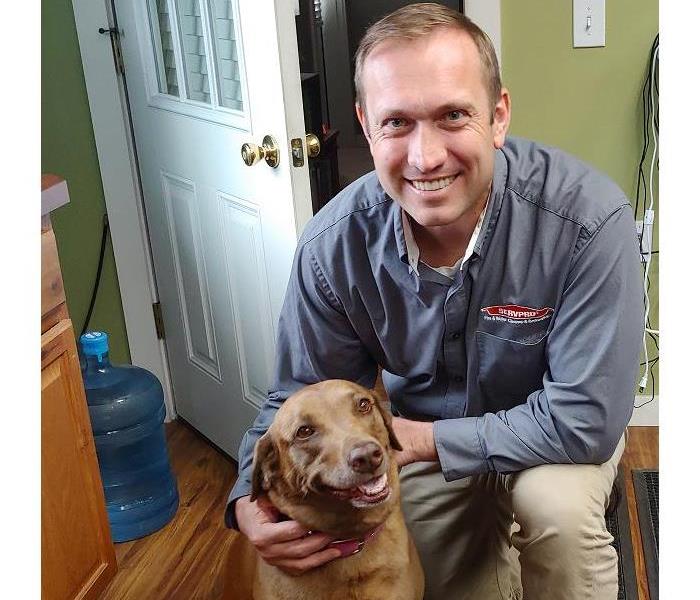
column 431, row 185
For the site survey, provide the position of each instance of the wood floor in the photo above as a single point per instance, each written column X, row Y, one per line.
column 184, row 560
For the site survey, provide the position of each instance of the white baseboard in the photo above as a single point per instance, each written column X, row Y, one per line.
column 647, row 415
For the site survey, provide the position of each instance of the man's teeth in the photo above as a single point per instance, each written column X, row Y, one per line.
column 431, row 186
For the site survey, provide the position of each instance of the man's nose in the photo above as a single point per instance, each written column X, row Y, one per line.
column 427, row 150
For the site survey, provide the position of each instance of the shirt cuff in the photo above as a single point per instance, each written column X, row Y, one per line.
column 241, row 488
column 459, row 449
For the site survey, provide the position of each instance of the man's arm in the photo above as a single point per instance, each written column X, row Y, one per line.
column 587, row 394
column 315, row 342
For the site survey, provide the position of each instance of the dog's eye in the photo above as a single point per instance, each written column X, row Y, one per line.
column 364, row 405
column 305, row 432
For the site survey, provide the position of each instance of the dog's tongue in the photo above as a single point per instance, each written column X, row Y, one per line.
column 374, row 486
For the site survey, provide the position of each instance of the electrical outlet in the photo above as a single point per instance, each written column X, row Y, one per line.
column 644, row 233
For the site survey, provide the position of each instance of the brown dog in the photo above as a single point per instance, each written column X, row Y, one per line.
column 326, row 462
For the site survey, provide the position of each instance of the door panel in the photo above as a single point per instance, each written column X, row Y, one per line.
column 250, row 292
column 204, row 77
column 192, row 282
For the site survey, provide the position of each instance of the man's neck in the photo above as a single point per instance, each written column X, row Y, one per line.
column 444, row 245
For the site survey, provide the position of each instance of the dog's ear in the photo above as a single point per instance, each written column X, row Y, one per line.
column 265, row 459
column 385, row 410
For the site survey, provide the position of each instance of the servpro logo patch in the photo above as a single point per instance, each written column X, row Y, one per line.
column 514, row 313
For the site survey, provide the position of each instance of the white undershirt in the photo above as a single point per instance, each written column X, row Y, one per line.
column 414, row 253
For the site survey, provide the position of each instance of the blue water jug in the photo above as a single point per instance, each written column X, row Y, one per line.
column 127, row 412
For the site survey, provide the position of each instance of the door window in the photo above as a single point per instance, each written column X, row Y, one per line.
column 227, row 71
column 194, row 50
column 164, row 52
column 196, row 67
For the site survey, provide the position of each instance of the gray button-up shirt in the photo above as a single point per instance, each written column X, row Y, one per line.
column 528, row 356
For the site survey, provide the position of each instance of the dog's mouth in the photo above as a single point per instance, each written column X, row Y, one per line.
column 369, row 493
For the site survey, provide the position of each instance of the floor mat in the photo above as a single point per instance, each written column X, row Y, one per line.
column 646, row 491
column 618, row 523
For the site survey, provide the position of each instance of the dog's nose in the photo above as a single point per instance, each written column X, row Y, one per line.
column 365, row 457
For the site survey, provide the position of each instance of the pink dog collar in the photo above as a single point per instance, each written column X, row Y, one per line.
column 354, row 545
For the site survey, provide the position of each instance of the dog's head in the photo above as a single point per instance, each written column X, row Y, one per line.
column 326, row 460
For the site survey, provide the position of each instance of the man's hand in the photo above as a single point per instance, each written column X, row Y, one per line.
column 286, row 544
column 417, row 440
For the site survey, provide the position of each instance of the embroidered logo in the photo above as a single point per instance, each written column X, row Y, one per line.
column 514, row 313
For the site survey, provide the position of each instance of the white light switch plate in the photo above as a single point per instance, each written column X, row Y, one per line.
column 589, row 23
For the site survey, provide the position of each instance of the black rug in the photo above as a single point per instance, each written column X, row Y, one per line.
column 646, row 491
column 618, row 522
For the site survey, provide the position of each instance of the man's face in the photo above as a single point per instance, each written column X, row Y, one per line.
column 427, row 118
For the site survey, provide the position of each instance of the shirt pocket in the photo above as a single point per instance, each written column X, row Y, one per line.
column 508, row 370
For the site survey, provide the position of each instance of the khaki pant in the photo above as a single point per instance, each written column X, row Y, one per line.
column 538, row 534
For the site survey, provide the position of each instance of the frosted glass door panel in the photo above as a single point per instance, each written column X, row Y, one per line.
column 227, row 67
column 161, row 34
column 194, row 50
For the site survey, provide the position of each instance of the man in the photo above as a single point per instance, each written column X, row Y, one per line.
column 496, row 283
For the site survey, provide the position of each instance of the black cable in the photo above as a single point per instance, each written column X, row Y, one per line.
column 96, row 285
column 640, row 168
column 646, row 106
column 649, row 114
column 650, row 87
column 655, row 79
column 650, row 118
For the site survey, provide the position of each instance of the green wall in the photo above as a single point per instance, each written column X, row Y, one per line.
column 68, row 150
column 584, row 100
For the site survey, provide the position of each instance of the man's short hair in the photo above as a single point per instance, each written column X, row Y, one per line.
column 420, row 20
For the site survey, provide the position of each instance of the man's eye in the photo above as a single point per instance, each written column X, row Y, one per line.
column 455, row 115
column 396, row 123
column 304, row 432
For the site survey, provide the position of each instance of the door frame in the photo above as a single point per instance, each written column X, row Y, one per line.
column 106, row 91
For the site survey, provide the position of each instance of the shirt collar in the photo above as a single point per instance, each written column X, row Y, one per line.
column 493, row 207
column 413, row 253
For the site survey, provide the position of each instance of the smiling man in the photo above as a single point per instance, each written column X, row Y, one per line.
column 495, row 282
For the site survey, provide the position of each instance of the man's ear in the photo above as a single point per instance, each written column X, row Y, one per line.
column 385, row 410
column 265, row 462
column 362, row 118
column 501, row 119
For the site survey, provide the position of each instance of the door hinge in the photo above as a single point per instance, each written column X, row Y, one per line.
column 158, row 318
column 115, row 38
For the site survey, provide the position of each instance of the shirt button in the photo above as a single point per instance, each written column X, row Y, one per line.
column 456, row 335
column 459, row 379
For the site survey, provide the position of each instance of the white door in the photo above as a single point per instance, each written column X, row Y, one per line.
column 203, row 78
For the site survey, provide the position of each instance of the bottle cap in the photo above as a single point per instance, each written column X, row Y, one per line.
column 94, row 343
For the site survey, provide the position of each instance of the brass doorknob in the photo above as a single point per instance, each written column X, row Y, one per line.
column 313, row 145
column 252, row 153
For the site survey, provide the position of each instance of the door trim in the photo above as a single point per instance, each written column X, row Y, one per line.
column 122, row 191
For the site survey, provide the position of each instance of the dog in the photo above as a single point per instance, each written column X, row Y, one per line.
column 327, row 462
